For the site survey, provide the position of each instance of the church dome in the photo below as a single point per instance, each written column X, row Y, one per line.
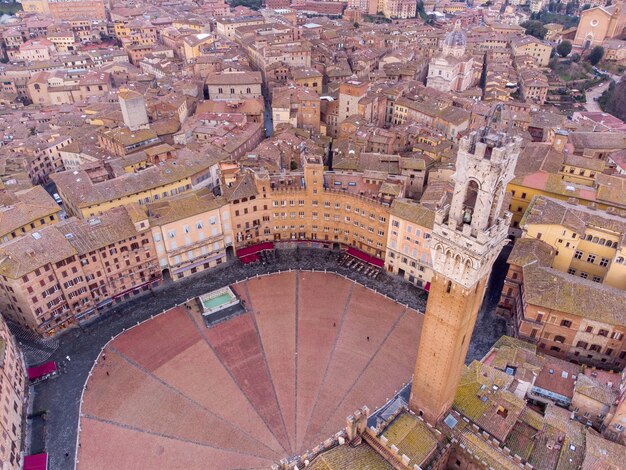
column 456, row 37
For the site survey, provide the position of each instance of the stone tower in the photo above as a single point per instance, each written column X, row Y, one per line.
column 133, row 109
column 467, row 237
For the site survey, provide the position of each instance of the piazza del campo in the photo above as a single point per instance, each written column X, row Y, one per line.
column 334, row 235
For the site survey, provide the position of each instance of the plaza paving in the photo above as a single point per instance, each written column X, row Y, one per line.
column 270, row 383
column 60, row 397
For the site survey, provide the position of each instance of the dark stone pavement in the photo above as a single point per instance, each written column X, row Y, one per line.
column 60, row 397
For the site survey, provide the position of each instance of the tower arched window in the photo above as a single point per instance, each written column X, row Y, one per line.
column 469, row 203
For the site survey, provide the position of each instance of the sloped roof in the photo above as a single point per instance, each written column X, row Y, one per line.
column 562, row 292
column 412, row 438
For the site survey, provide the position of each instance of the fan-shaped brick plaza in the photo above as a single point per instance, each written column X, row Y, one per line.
column 271, row 382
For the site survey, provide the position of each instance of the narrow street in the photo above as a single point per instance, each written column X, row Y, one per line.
column 594, row 93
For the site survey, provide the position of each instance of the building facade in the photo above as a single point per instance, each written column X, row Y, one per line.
column 567, row 316
column 234, row 85
column 588, row 242
column 399, row 8
column 67, row 272
column 12, row 396
column 191, row 233
column 408, row 242
column 77, row 9
column 599, row 24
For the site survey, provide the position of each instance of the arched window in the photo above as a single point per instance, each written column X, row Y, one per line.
column 589, row 237
column 559, row 339
column 469, row 203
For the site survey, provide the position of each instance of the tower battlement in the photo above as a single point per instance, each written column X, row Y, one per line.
column 469, row 233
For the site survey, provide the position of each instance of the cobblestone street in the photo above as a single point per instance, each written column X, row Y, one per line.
column 76, row 350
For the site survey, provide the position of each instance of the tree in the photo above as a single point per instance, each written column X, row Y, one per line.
column 535, row 28
column 252, row 4
column 596, row 55
column 564, row 48
column 613, row 100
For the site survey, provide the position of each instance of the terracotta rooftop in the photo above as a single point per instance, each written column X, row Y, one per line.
column 562, row 292
column 412, row 438
column 601, row 454
column 558, row 376
column 412, row 211
column 24, row 208
column 182, row 207
column 595, row 390
column 578, row 218
column 346, row 457
column 528, row 251
column 82, row 192
column 482, row 397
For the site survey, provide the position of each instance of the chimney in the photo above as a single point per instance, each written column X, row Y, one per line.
column 351, row 427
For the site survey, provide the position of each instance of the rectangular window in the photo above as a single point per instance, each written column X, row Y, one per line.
column 578, row 254
column 591, row 259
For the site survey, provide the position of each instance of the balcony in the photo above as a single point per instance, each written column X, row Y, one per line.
column 199, row 243
column 203, row 258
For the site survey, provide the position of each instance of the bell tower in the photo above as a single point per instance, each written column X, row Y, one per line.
column 467, row 236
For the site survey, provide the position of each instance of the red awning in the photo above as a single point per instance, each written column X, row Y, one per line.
column 427, row 287
column 42, row 370
column 36, row 462
column 251, row 250
column 365, row 257
column 249, row 259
